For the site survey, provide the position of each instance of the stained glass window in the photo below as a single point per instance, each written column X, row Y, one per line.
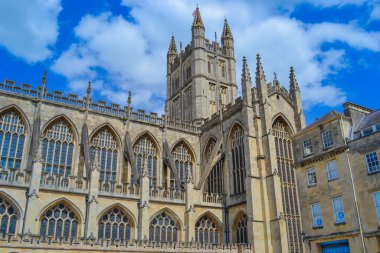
column 105, row 143
column 146, row 155
column 8, row 217
column 115, row 225
column 12, row 139
column 241, row 229
column 163, row 228
column 57, row 149
column 59, row 222
column 238, row 162
column 206, row 230
column 183, row 161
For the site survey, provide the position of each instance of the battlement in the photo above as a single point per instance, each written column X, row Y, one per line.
column 30, row 242
column 72, row 100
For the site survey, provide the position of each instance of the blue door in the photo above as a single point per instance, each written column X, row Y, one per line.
column 336, row 247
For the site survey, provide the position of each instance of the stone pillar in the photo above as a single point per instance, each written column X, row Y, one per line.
column 92, row 201
column 190, row 211
column 143, row 222
column 33, row 202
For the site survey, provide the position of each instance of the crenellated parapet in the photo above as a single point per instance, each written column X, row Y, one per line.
column 102, row 107
column 37, row 243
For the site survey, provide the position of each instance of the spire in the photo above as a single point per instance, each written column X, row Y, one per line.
column 226, row 30
column 246, row 83
column 259, row 68
column 197, row 22
column 172, row 46
column 293, row 81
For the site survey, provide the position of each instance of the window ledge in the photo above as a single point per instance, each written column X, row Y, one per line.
column 340, row 223
column 324, row 149
column 334, row 179
column 373, row 173
column 317, row 227
column 311, row 185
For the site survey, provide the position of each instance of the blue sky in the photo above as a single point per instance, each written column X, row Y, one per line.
column 334, row 45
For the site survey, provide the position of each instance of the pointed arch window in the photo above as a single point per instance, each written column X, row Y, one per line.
column 214, row 183
column 206, row 230
column 163, row 228
column 238, row 159
column 183, row 161
column 115, row 225
column 12, row 139
column 241, row 229
column 57, row 149
column 105, row 142
column 8, row 217
column 146, row 155
column 285, row 167
column 59, row 222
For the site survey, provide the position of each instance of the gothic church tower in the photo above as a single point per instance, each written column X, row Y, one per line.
column 201, row 79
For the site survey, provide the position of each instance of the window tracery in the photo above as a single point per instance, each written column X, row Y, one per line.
column 59, row 222
column 8, row 217
column 146, row 153
column 12, row 139
column 115, row 225
column 106, row 145
column 57, row 149
column 183, row 161
column 206, row 230
column 238, row 159
column 163, row 228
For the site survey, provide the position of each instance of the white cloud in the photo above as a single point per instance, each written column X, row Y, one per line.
column 375, row 13
column 28, row 28
column 133, row 54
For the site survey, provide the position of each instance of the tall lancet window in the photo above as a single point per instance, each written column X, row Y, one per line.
column 12, row 138
column 57, row 149
column 183, row 160
column 146, row 155
column 106, row 143
column 238, row 162
column 206, row 230
column 285, row 167
column 8, row 217
column 214, row 183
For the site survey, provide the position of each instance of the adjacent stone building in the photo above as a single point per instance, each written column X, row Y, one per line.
column 215, row 172
column 339, row 186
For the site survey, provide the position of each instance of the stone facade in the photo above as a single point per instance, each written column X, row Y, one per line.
column 206, row 176
column 336, row 188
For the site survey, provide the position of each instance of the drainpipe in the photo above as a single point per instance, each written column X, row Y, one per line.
column 353, row 188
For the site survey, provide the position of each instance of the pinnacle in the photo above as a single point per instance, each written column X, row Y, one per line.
column 226, row 29
column 172, row 46
column 245, row 74
column 293, row 80
column 198, row 22
column 259, row 68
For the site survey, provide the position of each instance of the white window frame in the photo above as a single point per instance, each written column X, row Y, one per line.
column 329, row 171
column 324, row 141
column 366, row 160
column 310, row 148
column 336, row 218
column 307, row 177
column 377, row 205
column 314, row 217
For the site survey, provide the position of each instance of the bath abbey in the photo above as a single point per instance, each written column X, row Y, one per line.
column 214, row 173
